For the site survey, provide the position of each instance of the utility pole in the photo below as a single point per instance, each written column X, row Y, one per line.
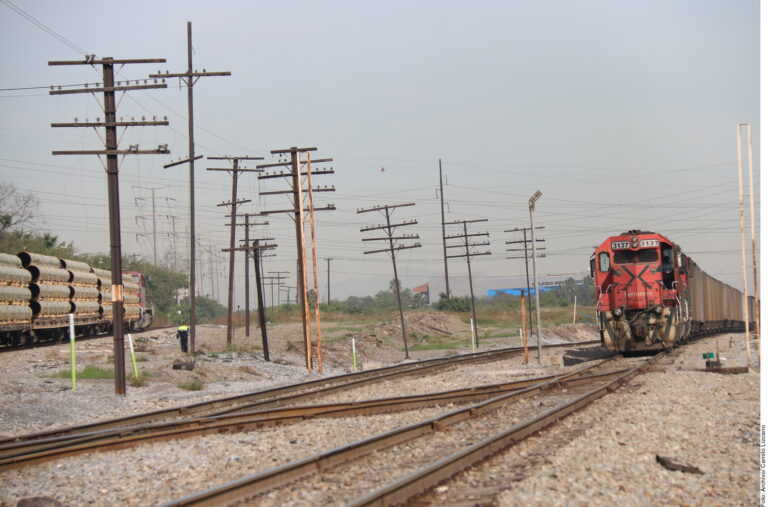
column 468, row 254
column 745, row 295
column 277, row 279
column 389, row 231
column 442, row 222
column 328, row 262
column 189, row 78
column 531, row 207
column 111, row 152
column 295, row 177
column 525, row 242
column 314, row 265
column 247, row 225
column 756, row 283
column 235, row 170
column 154, row 220
column 256, row 249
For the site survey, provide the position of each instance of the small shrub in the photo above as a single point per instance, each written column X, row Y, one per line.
column 195, row 385
column 140, row 381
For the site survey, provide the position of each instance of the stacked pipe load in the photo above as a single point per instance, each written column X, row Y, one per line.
column 14, row 291
column 49, row 286
column 84, row 289
column 104, row 286
column 130, row 299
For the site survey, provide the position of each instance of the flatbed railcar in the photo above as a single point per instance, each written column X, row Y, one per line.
column 651, row 296
column 39, row 292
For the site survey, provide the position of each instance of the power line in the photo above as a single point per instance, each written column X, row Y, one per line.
column 44, row 28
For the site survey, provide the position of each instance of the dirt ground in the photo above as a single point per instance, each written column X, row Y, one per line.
column 431, row 334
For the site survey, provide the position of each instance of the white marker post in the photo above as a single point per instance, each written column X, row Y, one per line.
column 72, row 365
column 472, row 333
column 354, row 356
column 133, row 357
column 574, row 310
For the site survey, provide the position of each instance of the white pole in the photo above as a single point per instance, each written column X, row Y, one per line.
column 574, row 309
column 472, row 333
column 72, row 365
column 354, row 356
column 745, row 297
column 521, row 337
column 756, row 284
column 133, row 357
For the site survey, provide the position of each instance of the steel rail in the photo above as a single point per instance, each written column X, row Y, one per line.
column 321, row 386
column 400, row 491
column 26, row 453
column 251, row 485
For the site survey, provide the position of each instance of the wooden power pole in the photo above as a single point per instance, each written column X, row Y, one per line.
column 468, row 254
column 295, row 177
column 189, row 78
column 390, row 237
column 235, row 170
column 247, row 243
column 111, row 152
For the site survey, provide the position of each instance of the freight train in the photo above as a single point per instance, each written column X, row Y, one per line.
column 39, row 292
column 651, row 296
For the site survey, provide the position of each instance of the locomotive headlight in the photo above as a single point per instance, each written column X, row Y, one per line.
column 659, row 309
column 617, row 312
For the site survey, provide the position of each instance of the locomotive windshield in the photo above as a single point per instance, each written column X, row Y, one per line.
column 639, row 256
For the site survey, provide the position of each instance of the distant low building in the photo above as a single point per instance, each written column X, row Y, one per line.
column 544, row 285
column 491, row 286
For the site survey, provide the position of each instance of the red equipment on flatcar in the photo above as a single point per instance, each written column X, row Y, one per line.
column 144, row 319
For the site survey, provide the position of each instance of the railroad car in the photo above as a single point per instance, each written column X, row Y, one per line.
column 39, row 292
column 651, row 296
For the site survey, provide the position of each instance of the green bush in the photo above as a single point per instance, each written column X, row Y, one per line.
column 195, row 385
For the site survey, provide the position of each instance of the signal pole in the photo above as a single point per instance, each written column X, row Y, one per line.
column 233, row 212
column 189, row 78
column 111, row 152
column 296, row 179
column 389, row 231
column 469, row 254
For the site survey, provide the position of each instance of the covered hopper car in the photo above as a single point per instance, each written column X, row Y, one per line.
column 39, row 292
column 651, row 296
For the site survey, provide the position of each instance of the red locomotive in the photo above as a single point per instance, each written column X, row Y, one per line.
column 651, row 296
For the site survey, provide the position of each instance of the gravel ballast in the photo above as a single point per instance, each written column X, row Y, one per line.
column 606, row 454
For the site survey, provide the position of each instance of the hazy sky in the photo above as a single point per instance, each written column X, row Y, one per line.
column 622, row 113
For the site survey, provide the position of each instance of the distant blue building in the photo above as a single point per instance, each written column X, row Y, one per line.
column 543, row 287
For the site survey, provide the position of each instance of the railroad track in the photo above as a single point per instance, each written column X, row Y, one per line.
column 25, row 453
column 280, row 396
column 426, row 452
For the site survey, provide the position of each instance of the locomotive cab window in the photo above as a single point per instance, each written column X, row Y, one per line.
column 639, row 256
column 604, row 262
column 667, row 265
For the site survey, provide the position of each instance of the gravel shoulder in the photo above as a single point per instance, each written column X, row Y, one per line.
column 603, row 455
